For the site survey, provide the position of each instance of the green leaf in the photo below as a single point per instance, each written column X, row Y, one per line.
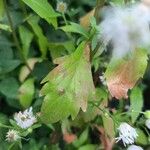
column 8, row 65
column 108, row 126
column 75, row 28
column 71, row 79
column 44, row 10
column 82, row 138
column 88, row 147
column 26, row 37
column 118, row 2
column 60, row 48
column 142, row 138
column 1, row 9
column 57, row 107
column 42, row 40
column 6, row 51
column 9, row 87
column 5, row 27
column 136, row 101
column 26, row 92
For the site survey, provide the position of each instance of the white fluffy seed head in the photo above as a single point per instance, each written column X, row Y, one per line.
column 126, row 28
column 134, row 147
column 61, row 7
column 127, row 134
column 12, row 136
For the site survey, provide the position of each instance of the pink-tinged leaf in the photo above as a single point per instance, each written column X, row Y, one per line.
column 122, row 75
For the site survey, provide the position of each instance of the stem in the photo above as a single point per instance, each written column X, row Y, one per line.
column 130, row 112
column 64, row 17
column 11, row 146
column 105, row 112
column 16, row 41
column 66, row 23
column 99, row 4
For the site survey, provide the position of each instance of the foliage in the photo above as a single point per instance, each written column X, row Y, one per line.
column 56, row 63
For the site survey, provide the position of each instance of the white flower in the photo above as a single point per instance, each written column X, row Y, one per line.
column 25, row 119
column 134, row 147
column 147, row 123
column 12, row 135
column 102, row 78
column 127, row 28
column 127, row 134
column 61, row 7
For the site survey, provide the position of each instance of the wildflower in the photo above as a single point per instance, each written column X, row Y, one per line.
column 25, row 119
column 102, row 79
column 123, row 27
column 134, row 147
column 12, row 135
column 61, row 7
column 127, row 134
column 147, row 123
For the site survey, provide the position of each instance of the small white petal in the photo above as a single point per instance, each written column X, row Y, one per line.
column 134, row 147
column 61, row 7
column 147, row 123
column 25, row 119
column 12, row 135
column 127, row 134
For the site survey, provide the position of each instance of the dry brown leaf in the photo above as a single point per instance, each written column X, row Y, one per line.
column 85, row 20
column 106, row 142
column 126, row 74
column 24, row 72
column 69, row 138
column 122, row 80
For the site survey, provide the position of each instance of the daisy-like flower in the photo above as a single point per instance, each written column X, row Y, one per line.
column 134, row 147
column 147, row 123
column 126, row 133
column 25, row 119
column 12, row 135
column 61, row 7
column 126, row 28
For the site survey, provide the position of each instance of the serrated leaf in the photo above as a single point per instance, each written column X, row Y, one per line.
column 122, row 75
column 42, row 40
column 26, row 38
column 57, row 107
column 136, row 103
column 72, row 79
column 75, row 28
column 44, row 10
column 26, row 92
